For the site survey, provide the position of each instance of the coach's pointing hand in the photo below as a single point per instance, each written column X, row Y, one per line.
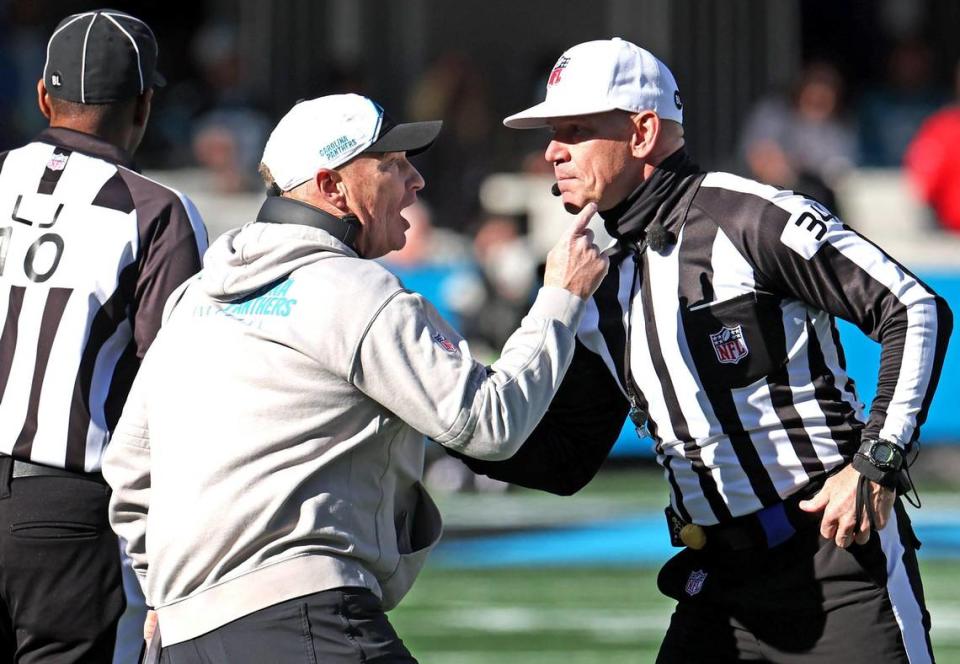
column 575, row 263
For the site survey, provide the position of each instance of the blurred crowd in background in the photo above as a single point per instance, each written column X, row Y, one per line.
column 479, row 265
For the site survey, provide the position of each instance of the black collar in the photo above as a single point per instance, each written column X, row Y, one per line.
column 654, row 199
column 87, row 144
column 281, row 210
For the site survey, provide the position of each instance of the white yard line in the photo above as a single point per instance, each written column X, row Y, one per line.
column 945, row 622
column 608, row 625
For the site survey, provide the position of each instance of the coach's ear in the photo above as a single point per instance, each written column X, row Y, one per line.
column 332, row 189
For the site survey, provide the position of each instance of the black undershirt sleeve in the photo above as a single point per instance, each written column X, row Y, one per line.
column 573, row 439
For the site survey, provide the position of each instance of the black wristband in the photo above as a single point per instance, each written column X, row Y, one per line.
column 879, row 461
column 885, row 478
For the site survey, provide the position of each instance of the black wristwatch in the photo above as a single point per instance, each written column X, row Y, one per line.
column 879, row 460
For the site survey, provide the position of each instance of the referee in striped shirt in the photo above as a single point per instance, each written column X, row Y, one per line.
column 715, row 331
column 89, row 252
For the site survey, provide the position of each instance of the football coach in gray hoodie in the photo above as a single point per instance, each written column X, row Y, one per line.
column 266, row 469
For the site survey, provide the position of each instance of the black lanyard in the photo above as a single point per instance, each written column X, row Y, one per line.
column 638, row 413
column 658, row 239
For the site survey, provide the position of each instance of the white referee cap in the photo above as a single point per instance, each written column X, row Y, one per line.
column 604, row 75
column 329, row 131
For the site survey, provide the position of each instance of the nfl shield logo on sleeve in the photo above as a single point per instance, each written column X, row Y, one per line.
column 729, row 345
column 695, row 582
column 444, row 343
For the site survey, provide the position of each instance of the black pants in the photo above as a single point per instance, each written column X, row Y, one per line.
column 804, row 601
column 60, row 589
column 343, row 626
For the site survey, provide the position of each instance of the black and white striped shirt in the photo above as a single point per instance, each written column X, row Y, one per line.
column 89, row 252
column 735, row 353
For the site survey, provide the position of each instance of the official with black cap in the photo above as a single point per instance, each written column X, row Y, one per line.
column 89, row 252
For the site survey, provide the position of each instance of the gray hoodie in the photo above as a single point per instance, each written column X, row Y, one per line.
column 272, row 444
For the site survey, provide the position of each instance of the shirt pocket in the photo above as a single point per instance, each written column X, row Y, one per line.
column 735, row 342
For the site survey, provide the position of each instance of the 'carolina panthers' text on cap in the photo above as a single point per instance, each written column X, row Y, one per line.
column 101, row 56
column 604, row 75
column 327, row 132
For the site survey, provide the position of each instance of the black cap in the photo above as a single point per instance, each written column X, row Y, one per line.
column 410, row 137
column 101, row 56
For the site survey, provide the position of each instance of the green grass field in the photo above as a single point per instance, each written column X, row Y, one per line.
column 581, row 615
column 573, row 616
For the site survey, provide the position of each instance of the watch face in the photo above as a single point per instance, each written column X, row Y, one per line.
column 883, row 453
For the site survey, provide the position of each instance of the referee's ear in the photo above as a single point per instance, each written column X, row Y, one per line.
column 141, row 109
column 646, row 131
column 43, row 99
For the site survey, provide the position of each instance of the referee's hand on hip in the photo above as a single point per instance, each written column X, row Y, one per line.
column 838, row 502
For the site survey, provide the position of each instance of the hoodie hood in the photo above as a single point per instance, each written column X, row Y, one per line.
column 244, row 260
